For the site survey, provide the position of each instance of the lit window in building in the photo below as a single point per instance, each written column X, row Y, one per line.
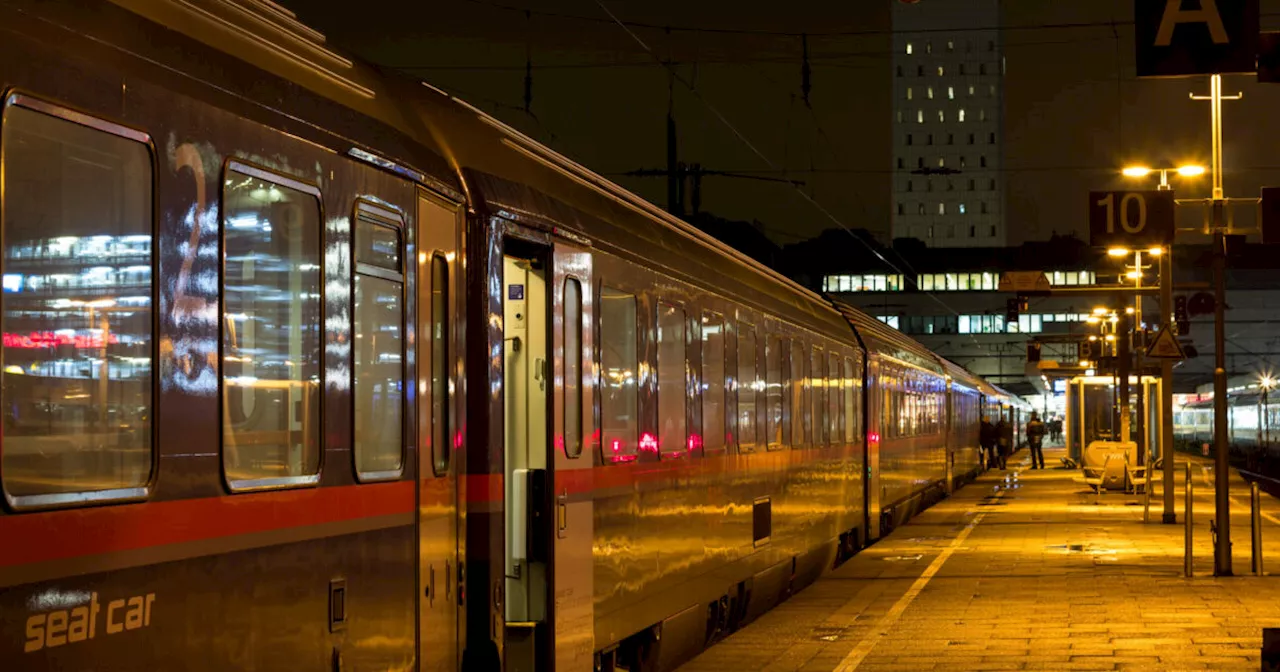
column 951, row 93
column 962, row 208
column 919, row 116
column 908, row 47
column 960, row 115
column 982, row 115
column 970, row 90
column 942, row 208
column 942, row 162
column 928, row 47
column 899, row 116
column 910, row 93
column 920, row 208
column 941, row 71
column 942, row 115
column 991, row 91
column 951, row 46
column 891, row 320
column 862, row 283
column 929, row 92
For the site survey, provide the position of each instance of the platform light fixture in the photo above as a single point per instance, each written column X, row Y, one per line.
column 1186, row 170
column 1118, row 252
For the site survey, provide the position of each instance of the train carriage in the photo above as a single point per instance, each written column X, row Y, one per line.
column 306, row 365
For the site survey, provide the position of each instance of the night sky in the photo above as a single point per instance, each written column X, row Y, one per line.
column 1074, row 112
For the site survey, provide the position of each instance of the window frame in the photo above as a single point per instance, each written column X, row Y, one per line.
column 280, row 179
column 713, row 317
column 584, row 363
column 18, row 97
column 686, row 404
column 394, row 219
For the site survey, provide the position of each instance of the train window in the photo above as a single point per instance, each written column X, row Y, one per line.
column 441, row 447
column 834, row 406
column 747, row 385
column 271, row 329
column 817, row 398
column 672, row 377
column 378, row 388
column 797, row 393
column 618, row 381
column 713, row 426
column 852, row 409
column 78, row 341
column 572, row 367
column 773, row 391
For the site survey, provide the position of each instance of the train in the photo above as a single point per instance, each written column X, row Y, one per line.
column 1252, row 422
column 308, row 365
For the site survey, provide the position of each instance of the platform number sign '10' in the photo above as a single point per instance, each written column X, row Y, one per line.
column 1130, row 218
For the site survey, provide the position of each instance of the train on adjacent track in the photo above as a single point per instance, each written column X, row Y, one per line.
column 311, row 366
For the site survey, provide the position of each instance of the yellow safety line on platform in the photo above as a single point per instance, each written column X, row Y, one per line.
column 859, row 653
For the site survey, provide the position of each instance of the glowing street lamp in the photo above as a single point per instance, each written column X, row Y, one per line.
column 1188, row 170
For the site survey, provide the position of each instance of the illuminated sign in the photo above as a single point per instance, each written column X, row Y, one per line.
column 50, row 339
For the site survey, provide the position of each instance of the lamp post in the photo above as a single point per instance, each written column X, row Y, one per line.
column 1169, row 516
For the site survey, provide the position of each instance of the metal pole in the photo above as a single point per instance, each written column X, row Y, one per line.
column 1123, row 360
column 1256, row 519
column 1222, row 475
column 1166, row 387
column 1186, row 519
column 1221, row 465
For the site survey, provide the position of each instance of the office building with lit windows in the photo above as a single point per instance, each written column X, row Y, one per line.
column 948, row 100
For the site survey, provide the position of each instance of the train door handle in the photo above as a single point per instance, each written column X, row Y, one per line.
column 562, row 514
column 540, row 373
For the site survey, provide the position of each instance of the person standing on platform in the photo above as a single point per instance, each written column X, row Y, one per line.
column 1035, row 439
column 987, row 440
column 1004, row 442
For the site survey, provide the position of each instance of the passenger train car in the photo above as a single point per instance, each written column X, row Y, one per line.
column 310, row 366
column 1253, row 427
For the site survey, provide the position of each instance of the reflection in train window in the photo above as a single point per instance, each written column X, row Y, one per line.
column 378, row 351
column 852, row 405
column 817, row 398
column 773, row 392
column 834, row 390
column 713, row 426
column 796, row 402
column 672, row 378
column 572, row 367
column 441, row 446
column 618, row 375
column 747, row 386
column 77, row 350
column 271, row 329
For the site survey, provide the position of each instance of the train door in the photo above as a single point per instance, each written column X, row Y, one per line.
column 876, row 400
column 438, row 350
column 949, row 435
column 548, row 508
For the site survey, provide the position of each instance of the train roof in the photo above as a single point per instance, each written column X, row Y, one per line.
column 961, row 375
column 879, row 337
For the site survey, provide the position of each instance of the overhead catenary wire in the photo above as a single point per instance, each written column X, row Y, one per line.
column 715, row 111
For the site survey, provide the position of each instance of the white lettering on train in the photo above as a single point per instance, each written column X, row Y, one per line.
column 77, row 624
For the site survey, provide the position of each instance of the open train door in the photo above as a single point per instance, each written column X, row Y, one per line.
column 572, row 586
column 547, row 391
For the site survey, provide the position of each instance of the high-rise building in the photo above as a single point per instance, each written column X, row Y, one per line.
column 948, row 101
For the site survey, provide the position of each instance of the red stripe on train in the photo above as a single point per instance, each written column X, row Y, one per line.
column 53, row 535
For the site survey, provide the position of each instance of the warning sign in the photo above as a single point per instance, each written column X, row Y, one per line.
column 1165, row 346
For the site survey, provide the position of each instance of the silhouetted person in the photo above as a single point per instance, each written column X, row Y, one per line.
column 1035, row 439
column 1004, row 442
column 987, row 440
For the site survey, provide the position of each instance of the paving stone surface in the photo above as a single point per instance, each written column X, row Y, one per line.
column 1021, row 570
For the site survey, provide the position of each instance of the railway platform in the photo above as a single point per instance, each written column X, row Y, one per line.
column 1022, row 570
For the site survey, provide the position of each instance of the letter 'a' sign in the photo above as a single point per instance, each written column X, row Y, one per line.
column 1195, row 37
column 1133, row 219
